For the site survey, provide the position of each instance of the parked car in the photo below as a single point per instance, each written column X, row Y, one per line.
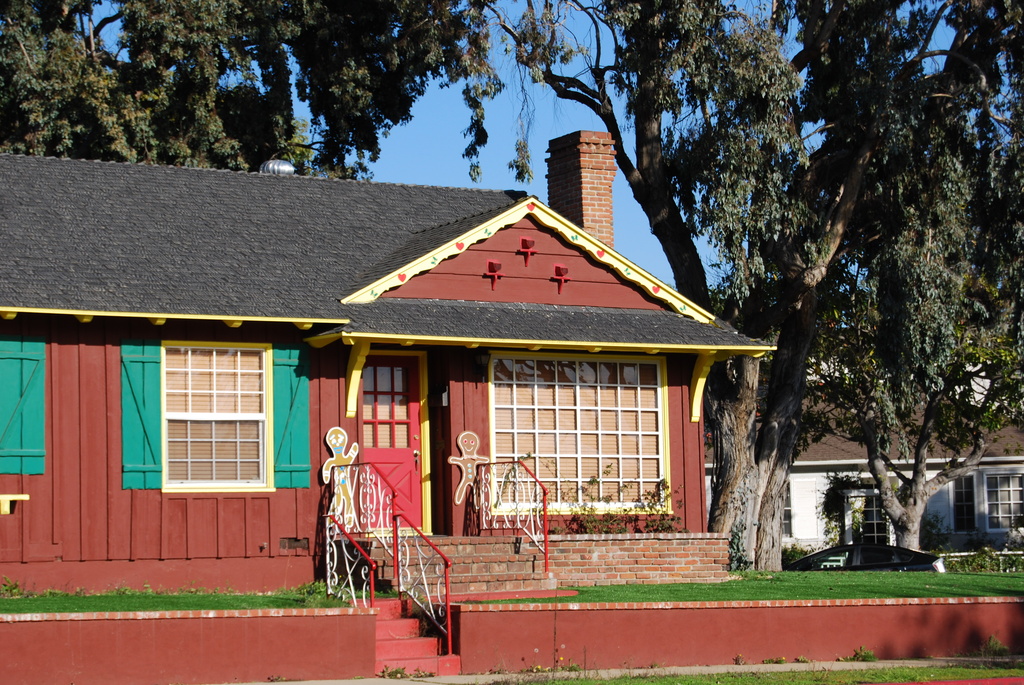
column 868, row 558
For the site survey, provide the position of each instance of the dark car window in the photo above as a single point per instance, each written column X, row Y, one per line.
column 832, row 561
column 904, row 556
column 876, row 555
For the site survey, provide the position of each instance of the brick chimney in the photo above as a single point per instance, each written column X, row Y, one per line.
column 581, row 168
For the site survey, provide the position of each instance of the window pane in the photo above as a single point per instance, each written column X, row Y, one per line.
column 594, row 419
column 226, row 383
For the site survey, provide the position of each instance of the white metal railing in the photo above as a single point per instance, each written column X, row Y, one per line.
column 424, row 576
column 508, row 496
column 350, row 570
column 362, row 505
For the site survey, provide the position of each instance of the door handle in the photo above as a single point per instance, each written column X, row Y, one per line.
column 416, row 458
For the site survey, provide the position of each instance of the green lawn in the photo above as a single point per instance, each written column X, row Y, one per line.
column 753, row 586
column 819, row 676
column 130, row 600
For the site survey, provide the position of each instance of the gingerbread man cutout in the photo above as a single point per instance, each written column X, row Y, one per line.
column 468, row 443
column 337, row 441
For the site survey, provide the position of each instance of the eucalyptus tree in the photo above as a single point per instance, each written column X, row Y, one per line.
column 920, row 354
column 211, row 82
column 764, row 128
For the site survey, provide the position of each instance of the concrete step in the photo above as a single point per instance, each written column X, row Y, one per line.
column 407, row 648
column 422, row 667
column 396, row 628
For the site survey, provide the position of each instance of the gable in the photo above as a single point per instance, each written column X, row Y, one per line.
column 526, row 262
column 442, row 243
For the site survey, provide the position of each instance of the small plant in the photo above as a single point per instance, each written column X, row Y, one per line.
column 11, row 588
column 420, row 673
column 992, row 647
column 738, row 559
column 395, row 673
column 776, row 660
column 739, row 660
column 802, row 660
column 862, row 653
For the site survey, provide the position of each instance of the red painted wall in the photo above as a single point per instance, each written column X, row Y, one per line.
column 222, row 647
column 78, row 511
column 517, row 637
column 81, row 529
column 463, row 277
column 324, row 644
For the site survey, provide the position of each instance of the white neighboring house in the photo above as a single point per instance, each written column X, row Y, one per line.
column 980, row 507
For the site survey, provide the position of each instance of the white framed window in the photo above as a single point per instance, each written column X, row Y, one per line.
column 591, row 429
column 964, row 505
column 1005, row 494
column 215, row 413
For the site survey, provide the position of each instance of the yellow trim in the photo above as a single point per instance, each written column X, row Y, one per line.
column 573, row 234
column 268, row 426
column 663, row 418
column 354, row 375
column 698, row 380
column 159, row 318
column 5, row 502
column 426, row 517
column 580, row 345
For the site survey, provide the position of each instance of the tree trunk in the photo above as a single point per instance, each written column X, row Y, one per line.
column 731, row 411
column 780, row 426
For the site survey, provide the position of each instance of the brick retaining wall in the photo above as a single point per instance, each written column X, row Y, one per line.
column 639, row 558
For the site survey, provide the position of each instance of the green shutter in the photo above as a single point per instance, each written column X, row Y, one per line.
column 291, row 416
column 22, row 405
column 140, row 414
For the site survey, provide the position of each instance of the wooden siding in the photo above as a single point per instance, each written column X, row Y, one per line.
column 79, row 511
column 463, row 276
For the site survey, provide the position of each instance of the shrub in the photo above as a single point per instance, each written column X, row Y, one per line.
column 791, row 553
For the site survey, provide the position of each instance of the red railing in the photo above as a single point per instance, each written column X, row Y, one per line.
column 363, row 503
column 508, row 496
column 424, row 575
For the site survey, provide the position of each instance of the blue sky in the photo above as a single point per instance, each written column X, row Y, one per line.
column 428, row 151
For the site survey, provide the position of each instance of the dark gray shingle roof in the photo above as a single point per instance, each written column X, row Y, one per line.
column 99, row 236
column 466, row 320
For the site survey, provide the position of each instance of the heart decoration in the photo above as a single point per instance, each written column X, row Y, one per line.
column 401, row 278
column 600, row 253
column 656, row 289
column 460, row 246
column 531, row 206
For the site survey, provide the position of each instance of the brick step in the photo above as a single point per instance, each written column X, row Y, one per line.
column 490, row 584
column 407, row 648
column 436, row 665
column 389, row 609
column 394, row 628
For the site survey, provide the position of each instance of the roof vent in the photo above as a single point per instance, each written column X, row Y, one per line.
column 280, row 167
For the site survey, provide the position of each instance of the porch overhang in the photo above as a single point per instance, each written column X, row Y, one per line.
column 362, row 343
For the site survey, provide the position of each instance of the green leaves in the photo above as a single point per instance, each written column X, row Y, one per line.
column 210, row 82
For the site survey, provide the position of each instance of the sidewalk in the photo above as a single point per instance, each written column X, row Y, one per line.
column 530, row 677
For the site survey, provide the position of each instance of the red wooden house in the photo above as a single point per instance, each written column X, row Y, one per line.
column 175, row 344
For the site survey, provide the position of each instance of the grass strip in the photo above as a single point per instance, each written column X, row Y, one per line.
column 759, row 585
column 50, row 602
column 818, row 676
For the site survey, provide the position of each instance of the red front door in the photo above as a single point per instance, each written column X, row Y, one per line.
column 391, row 428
